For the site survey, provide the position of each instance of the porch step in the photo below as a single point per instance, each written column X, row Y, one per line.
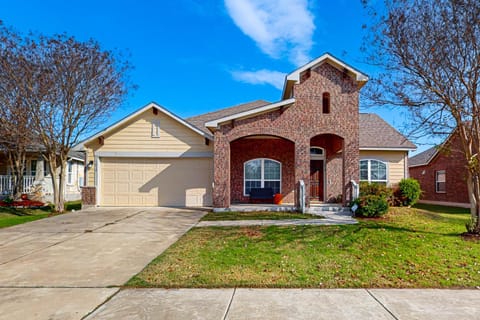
column 327, row 208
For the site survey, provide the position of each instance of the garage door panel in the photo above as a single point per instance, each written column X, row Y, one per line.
column 156, row 182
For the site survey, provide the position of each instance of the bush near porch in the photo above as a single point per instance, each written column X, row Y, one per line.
column 374, row 198
column 407, row 248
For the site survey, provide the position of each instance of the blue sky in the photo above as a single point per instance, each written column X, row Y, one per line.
column 196, row 56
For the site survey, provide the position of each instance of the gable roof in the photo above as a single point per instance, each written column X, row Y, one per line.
column 294, row 77
column 140, row 111
column 376, row 133
column 423, row 158
column 249, row 113
column 200, row 120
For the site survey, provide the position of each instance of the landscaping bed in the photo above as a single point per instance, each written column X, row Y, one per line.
column 407, row 248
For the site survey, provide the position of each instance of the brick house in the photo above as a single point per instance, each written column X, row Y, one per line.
column 314, row 134
column 441, row 172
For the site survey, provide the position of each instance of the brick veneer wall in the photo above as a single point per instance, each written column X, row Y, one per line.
column 281, row 150
column 453, row 162
column 89, row 196
column 299, row 123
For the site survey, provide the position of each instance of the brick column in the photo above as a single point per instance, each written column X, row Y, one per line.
column 302, row 168
column 89, row 196
column 221, row 172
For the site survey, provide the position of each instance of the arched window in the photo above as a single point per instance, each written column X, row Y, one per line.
column 372, row 170
column 326, row 102
column 262, row 173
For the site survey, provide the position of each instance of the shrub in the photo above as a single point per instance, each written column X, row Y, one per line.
column 409, row 191
column 371, row 206
column 376, row 189
column 471, row 225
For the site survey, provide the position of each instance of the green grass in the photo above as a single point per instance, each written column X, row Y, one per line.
column 256, row 215
column 13, row 216
column 408, row 248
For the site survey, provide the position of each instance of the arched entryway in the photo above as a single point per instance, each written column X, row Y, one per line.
column 326, row 168
column 262, row 161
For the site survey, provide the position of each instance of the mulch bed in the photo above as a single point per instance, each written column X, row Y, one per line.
column 22, row 203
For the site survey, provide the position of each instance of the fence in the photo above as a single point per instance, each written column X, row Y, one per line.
column 6, row 184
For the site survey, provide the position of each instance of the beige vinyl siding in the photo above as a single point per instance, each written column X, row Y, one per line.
column 137, row 135
column 395, row 163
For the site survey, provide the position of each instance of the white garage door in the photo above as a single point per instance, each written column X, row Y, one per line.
column 156, row 182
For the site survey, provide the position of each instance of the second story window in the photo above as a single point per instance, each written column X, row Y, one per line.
column 326, row 102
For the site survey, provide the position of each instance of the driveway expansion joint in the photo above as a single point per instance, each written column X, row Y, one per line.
column 381, row 304
column 229, row 304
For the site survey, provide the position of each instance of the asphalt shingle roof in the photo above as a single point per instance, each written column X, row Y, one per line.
column 374, row 131
column 377, row 133
column 422, row 158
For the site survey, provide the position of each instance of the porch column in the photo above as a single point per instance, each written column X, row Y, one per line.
column 221, row 171
column 302, row 168
column 351, row 167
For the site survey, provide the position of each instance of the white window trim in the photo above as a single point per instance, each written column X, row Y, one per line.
column 369, row 171
column 262, row 180
column 70, row 173
column 436, row 181
column 156, row 128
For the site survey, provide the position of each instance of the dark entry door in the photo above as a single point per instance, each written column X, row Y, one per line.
column 316, row 180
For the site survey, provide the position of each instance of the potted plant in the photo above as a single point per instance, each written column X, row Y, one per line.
column 277, row 198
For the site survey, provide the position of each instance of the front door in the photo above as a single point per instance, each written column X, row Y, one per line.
column 316, row 180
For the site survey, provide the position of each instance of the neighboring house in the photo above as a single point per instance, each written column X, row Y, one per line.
column 37, row 181
column 442, row 173
column 315, row 133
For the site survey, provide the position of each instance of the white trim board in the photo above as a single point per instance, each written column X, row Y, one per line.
column 136, row 113
column 126, row 154
column 249, row 113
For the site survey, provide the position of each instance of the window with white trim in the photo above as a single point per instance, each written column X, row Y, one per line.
column 33, row 167
column 156, row 128
column 70, row 172
column 372, row 170
column 262, row 173
column 440, row 181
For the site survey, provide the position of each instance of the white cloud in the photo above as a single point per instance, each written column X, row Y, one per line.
column 273, row 78
column 279, row 27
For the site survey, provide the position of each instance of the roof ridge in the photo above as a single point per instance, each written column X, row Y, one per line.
column 231, row 107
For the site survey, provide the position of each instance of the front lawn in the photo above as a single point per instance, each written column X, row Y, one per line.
column 10, row 216
column 256, row 215
column 409, row 248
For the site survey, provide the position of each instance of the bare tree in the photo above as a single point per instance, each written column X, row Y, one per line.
column 67, row 87
column 16, row 130
column 429, row 52
column 87, row 86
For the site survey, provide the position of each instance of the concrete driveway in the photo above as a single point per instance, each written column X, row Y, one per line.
column 65, row 266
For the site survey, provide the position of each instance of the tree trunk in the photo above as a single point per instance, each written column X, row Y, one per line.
column 474, row 196
column 60, row 205
column 16, row 161
column 52, row 164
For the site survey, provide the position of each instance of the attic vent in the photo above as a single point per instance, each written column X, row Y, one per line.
column 156, row 128
column 305, row 75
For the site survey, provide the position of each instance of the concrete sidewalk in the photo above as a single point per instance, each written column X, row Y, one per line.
column 338, row 304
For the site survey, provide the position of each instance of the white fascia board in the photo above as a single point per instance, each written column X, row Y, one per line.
column 385, row 149
column 246, row 114
column 295, row 75
column 127, row 154
column 136, row 113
